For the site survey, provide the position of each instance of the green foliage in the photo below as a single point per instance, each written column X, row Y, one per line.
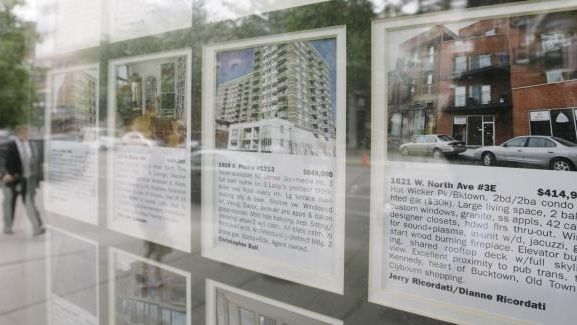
column 357, row 16
column 16, row 90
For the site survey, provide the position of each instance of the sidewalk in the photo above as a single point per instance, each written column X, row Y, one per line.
column 22, row 273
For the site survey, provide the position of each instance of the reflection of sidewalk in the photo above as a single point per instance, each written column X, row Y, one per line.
column 465, row 158
column 22, row 272
column 359, row 158
column 362, row 158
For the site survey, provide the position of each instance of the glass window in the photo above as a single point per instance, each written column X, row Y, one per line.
column 485, row 94
column 267, row 321
column 460, row 64
column 237, row 139
column 485, row 60
column 538, row 142
column 422, row 139
column 517, row 142
column 444, row 138
column 552, row 40
column 565, row 142
column 460, row 96
column 246, row 317
column 460, row 132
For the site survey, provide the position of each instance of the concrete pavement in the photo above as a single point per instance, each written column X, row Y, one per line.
column 22, row 273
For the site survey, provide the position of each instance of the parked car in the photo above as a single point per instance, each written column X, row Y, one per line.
column 438, row 145
column 539, row 151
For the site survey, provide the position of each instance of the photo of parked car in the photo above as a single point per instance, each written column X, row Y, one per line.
column 437, row 145
column 539, row 151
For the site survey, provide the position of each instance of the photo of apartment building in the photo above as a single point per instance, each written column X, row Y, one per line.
column 282, row 101
column 475, row 102
column 544, row 75
column 492, row 80
column 151, row 99
column 233, row 306
column 414, row 84
column 74, row 105
column 148, row 294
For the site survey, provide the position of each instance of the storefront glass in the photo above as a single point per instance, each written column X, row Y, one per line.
column 288, row 162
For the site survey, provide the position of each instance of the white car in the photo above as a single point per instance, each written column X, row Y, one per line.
column 437, row 145
column 539, row 151
column 137, row 139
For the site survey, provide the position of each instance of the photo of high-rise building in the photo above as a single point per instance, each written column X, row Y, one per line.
column 277, row 98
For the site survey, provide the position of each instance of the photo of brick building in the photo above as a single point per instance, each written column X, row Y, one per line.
column 544, row 74
column 485, row 82
column 414, row 84
column 475, row 101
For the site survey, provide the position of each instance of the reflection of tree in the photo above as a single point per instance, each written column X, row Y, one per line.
column 16, row 88
column 146, row 288
column 124, row 109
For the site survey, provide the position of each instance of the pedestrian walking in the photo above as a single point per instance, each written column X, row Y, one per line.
column 21, row 178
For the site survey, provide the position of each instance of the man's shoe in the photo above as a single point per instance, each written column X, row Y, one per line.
column 8, row 231
column 39, row 232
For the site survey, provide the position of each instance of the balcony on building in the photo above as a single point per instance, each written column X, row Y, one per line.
column 481, row 66
column 480, row 101
column 429, row 63
column 555, row 53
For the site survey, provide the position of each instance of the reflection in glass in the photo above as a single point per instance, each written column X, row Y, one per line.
column 73, row 279
column 146, row 292
column 151, row 103
column 233, row 306
column 149, row 113
column 72, row 143
column 129, row 19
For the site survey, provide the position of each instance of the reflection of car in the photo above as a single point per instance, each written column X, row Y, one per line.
column 393, row 142
column 217, row 156
column 438, row 145
column 543, row 151
column 137, row 139
column 94, row 137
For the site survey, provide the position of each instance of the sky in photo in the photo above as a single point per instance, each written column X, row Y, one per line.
column 235, row 64
column 396, row 38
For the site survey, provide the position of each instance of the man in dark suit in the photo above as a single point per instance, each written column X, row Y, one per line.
column 21, row 176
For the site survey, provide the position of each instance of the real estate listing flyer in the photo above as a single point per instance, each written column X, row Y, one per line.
column 273, row 160
column 474, row 153
column 149, row 148
column 72, row 143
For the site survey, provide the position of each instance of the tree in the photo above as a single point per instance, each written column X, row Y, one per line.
column 16, row 88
